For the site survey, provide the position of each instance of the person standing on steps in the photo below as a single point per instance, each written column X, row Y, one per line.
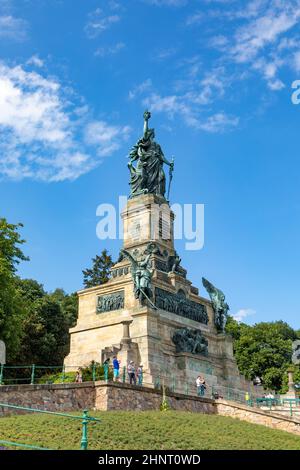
column 131, row 372
column 139, row 374
column 200, row 382
column 116, row 368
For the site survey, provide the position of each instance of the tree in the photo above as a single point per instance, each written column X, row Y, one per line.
column 100, row 271
column 69, row 305
column 263, row 350
column 11, row 302
column 45, row 323
column 46, row 333
column 29, row 289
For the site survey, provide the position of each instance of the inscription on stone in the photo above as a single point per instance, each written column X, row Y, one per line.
column 180, row 305
column 109, row 302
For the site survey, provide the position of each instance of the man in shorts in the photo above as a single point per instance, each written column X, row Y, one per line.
column 116, row 368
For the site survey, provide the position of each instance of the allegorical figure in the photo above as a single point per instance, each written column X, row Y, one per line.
column 141, row 273
column 220, row 307
column 148, row 175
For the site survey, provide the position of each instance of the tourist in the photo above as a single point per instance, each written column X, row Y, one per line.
column 131, row 373
column 78, row 378
column 116, row 368
column 139, row 374
column 200, row 382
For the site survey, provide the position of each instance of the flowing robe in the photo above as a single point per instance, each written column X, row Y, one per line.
column 149, row 175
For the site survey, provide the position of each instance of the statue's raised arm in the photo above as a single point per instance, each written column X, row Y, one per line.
column 147, row 116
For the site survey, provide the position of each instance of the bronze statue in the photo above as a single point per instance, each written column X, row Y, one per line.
column 190, row 341
column 148, row 175
column 142, row 275
column 220, row 307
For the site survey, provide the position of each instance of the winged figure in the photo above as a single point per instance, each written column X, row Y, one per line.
column 220, row 307
column 142, row 275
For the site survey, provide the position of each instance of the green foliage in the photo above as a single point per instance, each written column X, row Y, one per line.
column 165, row 403
column 46, row 334
column 44, row 323
column 263, row 350
column 174, row 430
column 88, row 373
column 29, row 289
column 100, row 271
column 57, row 378
column 11, row 305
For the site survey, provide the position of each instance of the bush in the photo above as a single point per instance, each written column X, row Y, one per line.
column 57, row 378
column 87, row 375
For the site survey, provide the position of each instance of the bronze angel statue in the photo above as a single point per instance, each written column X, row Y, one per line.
column 220, row 307
column 142, row 274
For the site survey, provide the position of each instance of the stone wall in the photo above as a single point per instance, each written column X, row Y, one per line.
column 117, row 396
column 55, row 397
column 126, row 397
column 96, row 396
column 257, row 416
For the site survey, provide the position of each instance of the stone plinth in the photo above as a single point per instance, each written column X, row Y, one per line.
column 2, row 352
column 112, row 321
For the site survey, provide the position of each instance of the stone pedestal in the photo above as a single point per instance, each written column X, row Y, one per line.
column 112, row 321
column 129, row 350
column 2, row 352
column 291, row 384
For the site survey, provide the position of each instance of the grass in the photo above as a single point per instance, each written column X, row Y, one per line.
column 146, row 430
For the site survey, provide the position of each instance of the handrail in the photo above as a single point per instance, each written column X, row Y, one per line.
column 26, row 446
column 85, row 420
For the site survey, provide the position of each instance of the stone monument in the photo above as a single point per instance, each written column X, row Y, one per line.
column 149, row 311
column 2, row 352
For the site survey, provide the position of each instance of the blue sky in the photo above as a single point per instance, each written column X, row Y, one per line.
column 75, row 78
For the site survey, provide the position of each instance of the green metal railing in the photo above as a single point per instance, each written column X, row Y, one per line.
column 85, row 419
column 32, row 375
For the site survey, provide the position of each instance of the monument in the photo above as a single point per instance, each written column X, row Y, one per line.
column 2, row 352
column 149, row 311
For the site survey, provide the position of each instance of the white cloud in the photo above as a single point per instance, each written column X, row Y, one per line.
column 99, row 21
column 139, row 89
column 35, row 61
column 13, row 28
column 109, row 50
column 256, row 35
column 42, row 130
column 219, row 122
column 243, row 313
column 195, row 18
column 163, row 54
column 192, row 99
column 107, row 138
column 170, row 105
column 183, row 106
column 296, row 61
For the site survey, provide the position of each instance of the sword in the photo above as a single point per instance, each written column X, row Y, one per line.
column 150, row 301
column 170, row 177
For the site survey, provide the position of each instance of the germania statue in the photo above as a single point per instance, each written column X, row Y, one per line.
column 148, row 175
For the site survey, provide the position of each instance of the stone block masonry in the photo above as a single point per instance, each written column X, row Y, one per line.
column 104, row 396
column 96, row 396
